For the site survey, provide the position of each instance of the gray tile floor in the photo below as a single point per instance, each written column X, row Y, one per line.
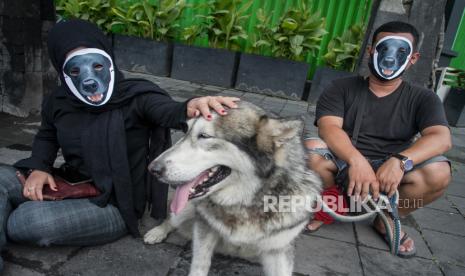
column 338, row 249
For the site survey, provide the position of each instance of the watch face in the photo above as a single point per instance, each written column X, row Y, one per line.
column 408, row 165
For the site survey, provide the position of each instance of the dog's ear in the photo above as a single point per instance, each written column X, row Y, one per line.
column 288, row 129
column 273, row 133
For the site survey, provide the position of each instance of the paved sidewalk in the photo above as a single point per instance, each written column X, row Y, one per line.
column 339, row 249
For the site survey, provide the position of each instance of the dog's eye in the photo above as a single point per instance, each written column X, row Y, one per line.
column 74, row 71
column 98, row 67
column 204, row 136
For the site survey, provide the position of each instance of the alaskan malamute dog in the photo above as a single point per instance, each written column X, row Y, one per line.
column 225, row 171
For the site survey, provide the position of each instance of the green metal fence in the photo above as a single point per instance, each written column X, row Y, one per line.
column 459, row 46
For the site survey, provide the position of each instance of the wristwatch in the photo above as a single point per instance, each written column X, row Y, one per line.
column 406, row 163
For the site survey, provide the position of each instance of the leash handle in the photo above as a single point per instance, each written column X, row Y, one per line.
column 393, row 235
column 392, row 232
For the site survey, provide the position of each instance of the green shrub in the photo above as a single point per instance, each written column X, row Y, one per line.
column 155, row 20
column 97, row 11
column 297, row 34
column 343, row 51
column 222, row 25
column 150, row 19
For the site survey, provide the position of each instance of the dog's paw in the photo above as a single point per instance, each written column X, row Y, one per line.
column 156, row 235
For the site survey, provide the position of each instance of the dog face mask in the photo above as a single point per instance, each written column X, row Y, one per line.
column 90, row 75
column 391, row 57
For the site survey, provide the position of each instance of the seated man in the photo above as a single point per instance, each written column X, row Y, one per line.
column 394, row 111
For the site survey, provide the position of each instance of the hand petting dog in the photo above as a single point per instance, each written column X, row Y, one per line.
column 202, row 105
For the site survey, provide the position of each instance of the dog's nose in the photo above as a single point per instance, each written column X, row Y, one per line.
column 157, row 169
column 90, row 85
column 389, row 61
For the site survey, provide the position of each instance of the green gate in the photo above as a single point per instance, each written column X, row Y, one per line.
column 459, row 46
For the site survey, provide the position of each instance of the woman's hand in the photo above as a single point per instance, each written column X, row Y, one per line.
column 202, row 105
column 35, row 184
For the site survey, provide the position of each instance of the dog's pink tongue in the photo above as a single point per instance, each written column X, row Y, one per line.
column 181, row 196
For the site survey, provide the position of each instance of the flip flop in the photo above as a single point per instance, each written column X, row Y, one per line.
column 401, row 254
column 407, row 254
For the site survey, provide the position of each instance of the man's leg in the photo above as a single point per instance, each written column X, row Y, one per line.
column 420, row 187
column 325, row 167
column 423, row 186
column 66, row 222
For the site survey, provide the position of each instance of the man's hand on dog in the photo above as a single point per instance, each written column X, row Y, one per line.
column 202, row 105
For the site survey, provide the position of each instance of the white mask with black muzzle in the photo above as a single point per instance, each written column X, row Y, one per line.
column 391, row 57
column 89, row 73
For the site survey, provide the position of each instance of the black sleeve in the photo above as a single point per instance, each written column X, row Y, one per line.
column 430, row 111
column 162, row 110
column 45, row 145
column 330, row 103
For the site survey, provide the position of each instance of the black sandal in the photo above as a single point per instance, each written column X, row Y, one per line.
column 405, row 237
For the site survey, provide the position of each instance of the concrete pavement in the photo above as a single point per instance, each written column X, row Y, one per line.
column 338, row 249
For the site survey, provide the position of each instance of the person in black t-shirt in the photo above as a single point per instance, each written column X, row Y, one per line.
column 386, row 157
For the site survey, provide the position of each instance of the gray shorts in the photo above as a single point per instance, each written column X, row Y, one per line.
column 376, row 163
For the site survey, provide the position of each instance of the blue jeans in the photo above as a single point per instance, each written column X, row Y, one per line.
column 375, row 163
column 67, row 222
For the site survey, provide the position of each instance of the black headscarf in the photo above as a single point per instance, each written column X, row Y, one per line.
column 69, row 35
column 105, row 150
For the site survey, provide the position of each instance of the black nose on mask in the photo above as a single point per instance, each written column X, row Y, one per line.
column 389, row 62
column 90, row 85
column 89, row 75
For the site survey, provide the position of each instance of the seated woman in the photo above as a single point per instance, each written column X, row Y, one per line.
column 107, row 128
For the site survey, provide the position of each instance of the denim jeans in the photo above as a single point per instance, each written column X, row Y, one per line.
column 375, row 163
column 66, row 222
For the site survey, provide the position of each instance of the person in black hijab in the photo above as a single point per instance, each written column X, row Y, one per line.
column 108, row 128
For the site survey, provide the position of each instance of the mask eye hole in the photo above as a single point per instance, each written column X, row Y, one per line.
column 74, row 71
column 402, row 50
column 204, row 136
column 98, row 67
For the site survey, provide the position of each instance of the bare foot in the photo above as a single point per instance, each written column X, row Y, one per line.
column 408, row 244
column 314, row 225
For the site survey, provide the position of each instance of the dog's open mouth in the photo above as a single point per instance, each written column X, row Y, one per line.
column 387, row 72
column 197, row 187
column 95, row 98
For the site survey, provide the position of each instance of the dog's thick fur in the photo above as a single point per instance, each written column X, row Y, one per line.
column 266, row 158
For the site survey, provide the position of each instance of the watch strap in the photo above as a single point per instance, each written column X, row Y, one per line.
column 399, row 156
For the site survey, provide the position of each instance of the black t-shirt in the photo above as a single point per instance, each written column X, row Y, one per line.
column 389, row 123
